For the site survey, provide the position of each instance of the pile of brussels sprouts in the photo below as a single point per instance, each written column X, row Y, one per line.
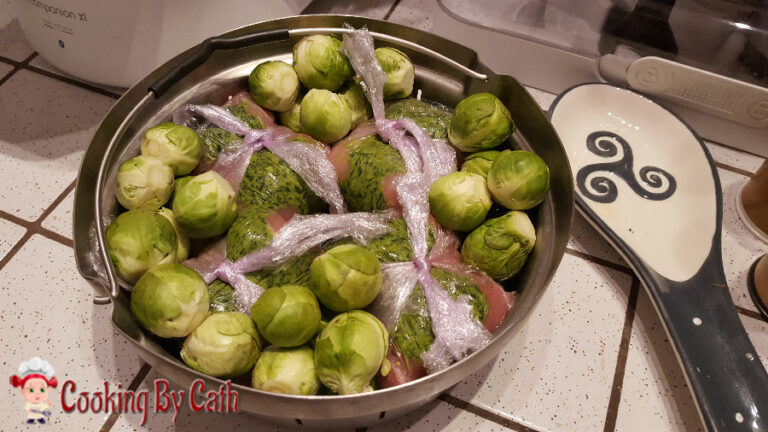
column 311, row 337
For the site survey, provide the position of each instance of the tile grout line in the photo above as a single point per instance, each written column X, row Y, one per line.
column 750, row 313
column 391, row 10
column 734, row 169
column 17, row 66
column 135, row 382
column 614, row 400
column 25, row 65
column 73, row 82
column 597, row 260
column 484, row 413
column 35, row 227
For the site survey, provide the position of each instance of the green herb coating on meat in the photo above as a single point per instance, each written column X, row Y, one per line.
column 413, row 333
column 395, row 246
column 433, row 118
column 293, row 272
column 270, row 184
column 251, row 232
column 240, row 112
column 215, row 139
column 370, row 161
column 248, row 232
column 221, row 297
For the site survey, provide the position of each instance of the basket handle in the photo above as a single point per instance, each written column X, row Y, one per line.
column 201, row 53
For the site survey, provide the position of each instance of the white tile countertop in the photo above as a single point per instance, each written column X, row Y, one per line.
column 592, row 356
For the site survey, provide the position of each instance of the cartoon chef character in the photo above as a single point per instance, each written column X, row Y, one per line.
column 34, row 378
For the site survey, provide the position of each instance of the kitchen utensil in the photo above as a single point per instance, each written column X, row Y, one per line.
column 445, row 71
column 647, row 183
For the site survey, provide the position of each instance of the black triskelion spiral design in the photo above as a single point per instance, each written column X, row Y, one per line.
column 603, row 189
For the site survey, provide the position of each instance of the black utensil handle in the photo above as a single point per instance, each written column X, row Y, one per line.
column 728, row 380
column 206, row 48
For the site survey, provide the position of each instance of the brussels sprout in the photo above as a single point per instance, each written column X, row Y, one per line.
column 291, row 118
column 518, row 180
column 399, row 70
column 325, row 116
column 287, row 316
column 170, row 300
column 225, row 345
column 319, row 62
column 138, row 240
column 353, row 96
column 480, row 122
column 204, row 205
column 144, row 182
column 349, row 352
column 459, row 201
column 500, row 246
column 286, row 371
column 480, row 162
column 274, row 85
column 346, row 277
column 182, row 241
column 177, row 146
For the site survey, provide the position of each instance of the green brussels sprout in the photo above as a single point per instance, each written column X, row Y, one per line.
column 225, row 345
column 144, row 182
column 170, row 300
column 353, row 96
column 459, row 201
column 320, row 64
column 274, row 85
column 500, row 246
column 349, row 352
column 140, row 239
column 518, row 180
column 481, row 122
column 204, row 205
column 287, row 316
column 291, row 118
column 346, row 277
column 182, row 241
column 399, row 70
column 325, row 116
column 480, row 162
column 286, row 371
column 177, row 146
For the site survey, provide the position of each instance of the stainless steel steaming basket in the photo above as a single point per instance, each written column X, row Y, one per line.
column 445, row 71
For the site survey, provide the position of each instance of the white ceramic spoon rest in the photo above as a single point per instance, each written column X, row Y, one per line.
column 644, row 179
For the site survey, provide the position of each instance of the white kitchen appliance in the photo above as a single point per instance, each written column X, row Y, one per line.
column 117, row 42
column 704, row 59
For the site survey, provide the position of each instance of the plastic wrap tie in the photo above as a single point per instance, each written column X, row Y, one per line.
column 307, row 160
column 297, row 237
column 457, row 333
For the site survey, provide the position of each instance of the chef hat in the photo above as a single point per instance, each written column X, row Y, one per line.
column 34, row 368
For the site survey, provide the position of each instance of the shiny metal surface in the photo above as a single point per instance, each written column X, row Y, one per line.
column 117, row 139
